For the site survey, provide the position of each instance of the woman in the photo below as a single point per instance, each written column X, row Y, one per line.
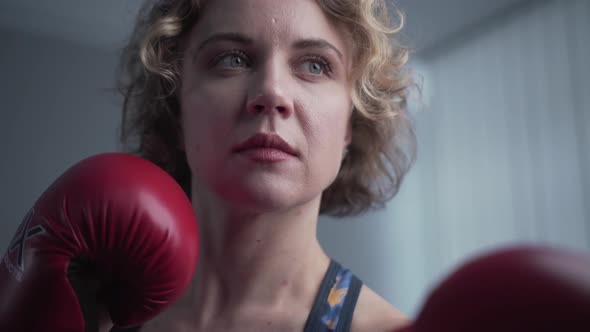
column 269, row 113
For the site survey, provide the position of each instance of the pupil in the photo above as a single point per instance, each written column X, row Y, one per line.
column 236, row 61
column 316, row 68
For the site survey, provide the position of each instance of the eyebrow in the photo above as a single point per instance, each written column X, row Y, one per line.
column 316, row 43
column 239, row 38
column 226, row 36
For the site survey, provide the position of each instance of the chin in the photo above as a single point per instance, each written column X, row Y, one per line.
column 267, row 196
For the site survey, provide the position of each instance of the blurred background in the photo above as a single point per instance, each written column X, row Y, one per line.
column 503, row 125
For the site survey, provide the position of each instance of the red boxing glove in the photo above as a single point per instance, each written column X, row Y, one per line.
column 512, row 290
column 114, row 231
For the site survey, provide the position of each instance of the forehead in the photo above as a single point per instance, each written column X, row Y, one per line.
column 276, row 21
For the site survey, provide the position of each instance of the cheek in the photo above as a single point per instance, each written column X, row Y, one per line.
column 328, row 120
column 206, row 122
column 208, row 109
column 326, row 131
column 208, row 104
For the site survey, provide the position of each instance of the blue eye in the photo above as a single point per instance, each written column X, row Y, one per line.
column 315, row 68
column 316, row 65
column 233, row 61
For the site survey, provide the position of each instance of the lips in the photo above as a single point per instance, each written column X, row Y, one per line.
column 265, row 141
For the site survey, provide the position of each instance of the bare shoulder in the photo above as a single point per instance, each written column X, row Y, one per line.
column 373, row 313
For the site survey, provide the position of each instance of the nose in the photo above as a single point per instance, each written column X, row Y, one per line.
column 269, row 92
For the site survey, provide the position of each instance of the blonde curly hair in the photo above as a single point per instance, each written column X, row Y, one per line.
column 383, row 146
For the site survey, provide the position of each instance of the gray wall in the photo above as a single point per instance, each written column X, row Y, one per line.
column 502, row 158
column 56, row 109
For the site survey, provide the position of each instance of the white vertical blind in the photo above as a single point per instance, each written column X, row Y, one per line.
column 504, row 153
column 504, row 140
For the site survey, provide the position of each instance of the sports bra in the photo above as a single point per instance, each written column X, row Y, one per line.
column 333, row 306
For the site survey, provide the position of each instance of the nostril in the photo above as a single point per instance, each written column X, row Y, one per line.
column 259, row 107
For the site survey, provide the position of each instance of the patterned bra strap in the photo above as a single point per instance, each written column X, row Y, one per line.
column 334, row 306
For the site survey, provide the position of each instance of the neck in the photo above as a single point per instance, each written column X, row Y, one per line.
column 256, row 262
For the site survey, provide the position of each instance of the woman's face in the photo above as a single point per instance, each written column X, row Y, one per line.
column 278, row 69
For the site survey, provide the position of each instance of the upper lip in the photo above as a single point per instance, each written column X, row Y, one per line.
column 265, row 140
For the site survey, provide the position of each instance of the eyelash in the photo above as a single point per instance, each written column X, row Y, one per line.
column 315, row 57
